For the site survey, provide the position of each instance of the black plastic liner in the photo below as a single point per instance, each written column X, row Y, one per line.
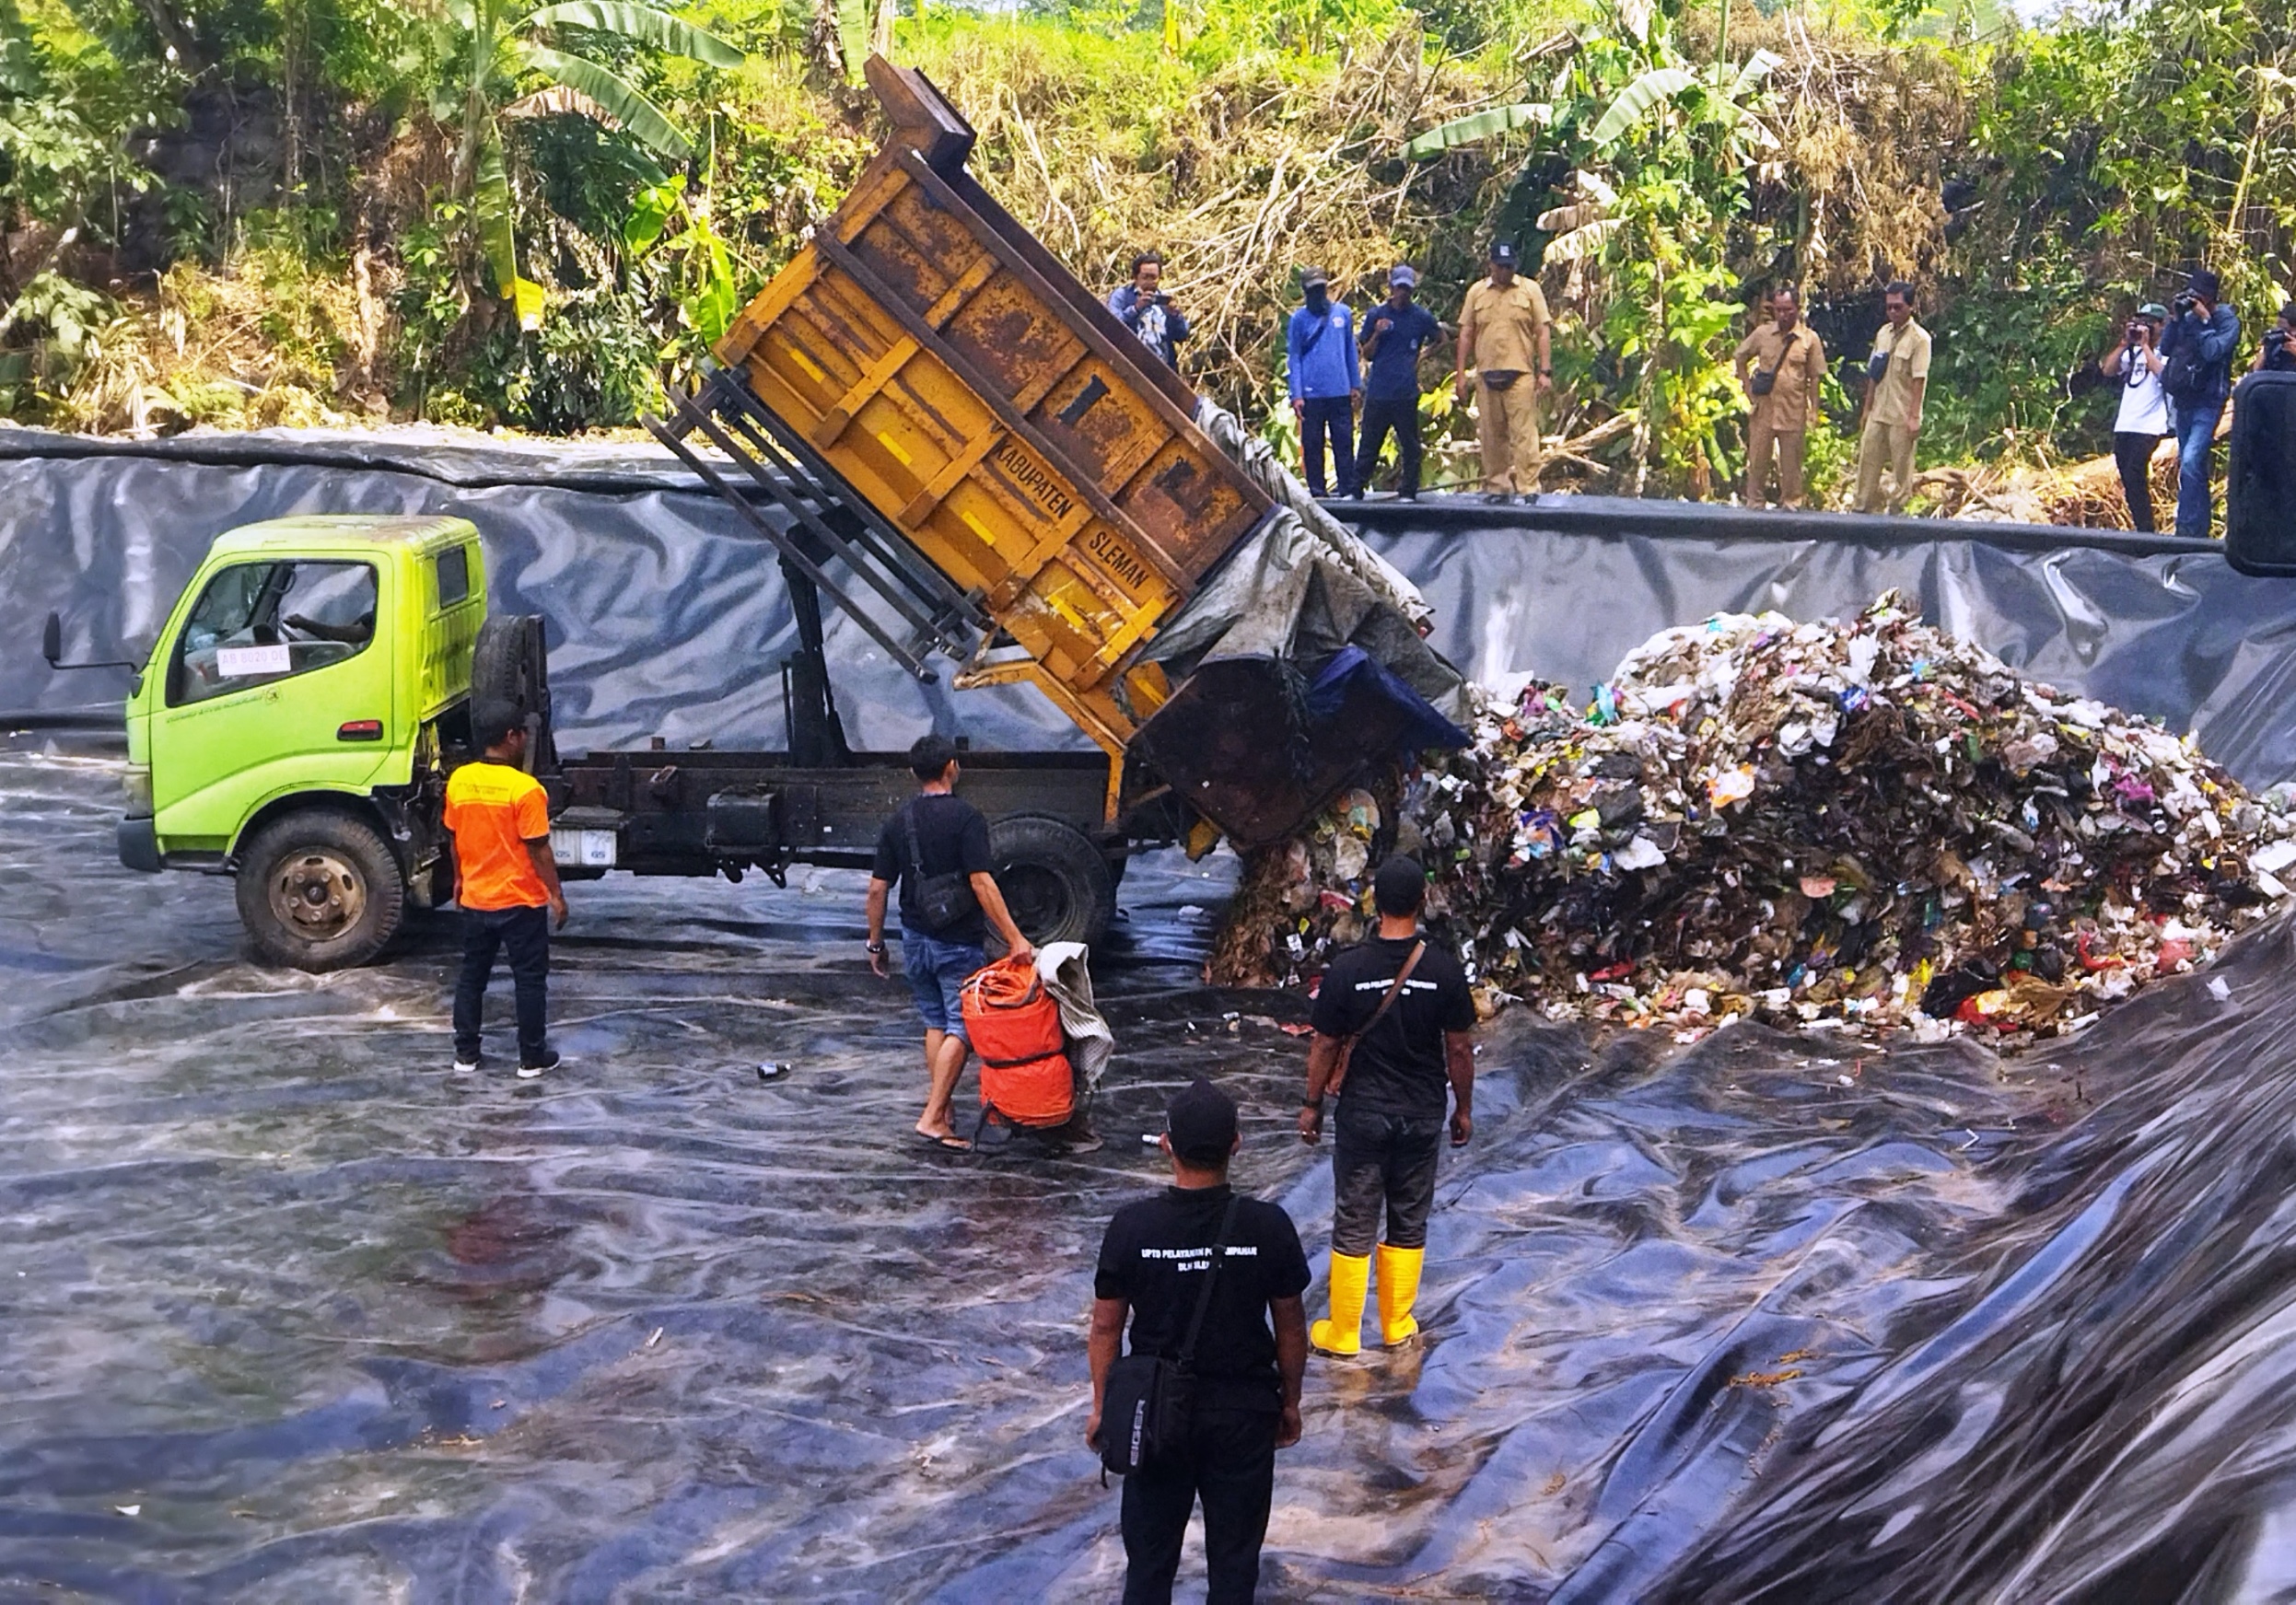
column 288, row 1312
column 666, row 619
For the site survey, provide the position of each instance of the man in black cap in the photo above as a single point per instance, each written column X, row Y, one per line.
column 1505, row 336
column 1392, row 1021
column 1247, row 1399
column 2196, row 372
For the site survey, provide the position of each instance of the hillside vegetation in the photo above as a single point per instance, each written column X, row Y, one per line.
column 250, row 212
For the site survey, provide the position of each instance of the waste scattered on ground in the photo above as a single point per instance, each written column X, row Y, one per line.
column 1862, row 827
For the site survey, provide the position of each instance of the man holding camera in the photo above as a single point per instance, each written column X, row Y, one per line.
column 2197, row 357
column 2277, row 353
column 1897, row 378
column 2143, row 418
column 1148, row 312
column 1780, row 365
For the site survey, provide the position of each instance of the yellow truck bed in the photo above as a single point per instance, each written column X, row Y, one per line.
column 930, row 352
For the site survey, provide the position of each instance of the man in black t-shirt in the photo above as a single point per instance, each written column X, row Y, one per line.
column 1391, row 1103
column 934, row 833
column 1152, row 1264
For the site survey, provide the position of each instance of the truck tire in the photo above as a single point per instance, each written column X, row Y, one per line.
column 510, row 682
column 319, row 889
column 1055, row 880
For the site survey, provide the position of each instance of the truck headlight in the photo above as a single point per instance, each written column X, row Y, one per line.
column 137, row 783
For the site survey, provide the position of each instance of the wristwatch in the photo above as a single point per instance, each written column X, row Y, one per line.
column 876, row 947
column 1314, row 1103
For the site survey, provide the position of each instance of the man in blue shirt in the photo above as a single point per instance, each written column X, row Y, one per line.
column 1148, row 312
column 2197, row 371
column 1325, row 387
column 1394, row 332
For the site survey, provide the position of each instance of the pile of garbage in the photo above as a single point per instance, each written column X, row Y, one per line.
column 1863, row 827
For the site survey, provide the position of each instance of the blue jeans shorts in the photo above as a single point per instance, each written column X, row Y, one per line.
column 937, row 971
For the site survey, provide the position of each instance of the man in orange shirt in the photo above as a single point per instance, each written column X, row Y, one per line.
column 504, row 877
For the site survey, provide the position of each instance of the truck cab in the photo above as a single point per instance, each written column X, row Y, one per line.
column 294, row 718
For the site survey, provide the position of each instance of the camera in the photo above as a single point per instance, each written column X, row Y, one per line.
column 2184, row 303
column 2274, row 339
column 2134, row 334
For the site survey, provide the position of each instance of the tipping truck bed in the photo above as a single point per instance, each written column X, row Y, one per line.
column 1033, row 494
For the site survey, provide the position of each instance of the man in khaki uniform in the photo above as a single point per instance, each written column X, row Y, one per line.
column 1504, row 337
column 1787, row 360
column 1897, row 377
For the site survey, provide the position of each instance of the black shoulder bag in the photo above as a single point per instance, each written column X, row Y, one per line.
column 943, row 900
column 1146, row 1407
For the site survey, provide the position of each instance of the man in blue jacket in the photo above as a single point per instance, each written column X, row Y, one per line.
column 2196, row 372
column 1325, row 387
column 1394, row 334
column 1148, row 312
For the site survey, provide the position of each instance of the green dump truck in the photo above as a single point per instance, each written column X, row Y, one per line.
column 317, row 680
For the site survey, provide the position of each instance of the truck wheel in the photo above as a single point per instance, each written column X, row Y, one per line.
column 1055, row 880
column 320, row 890
column 510, row 681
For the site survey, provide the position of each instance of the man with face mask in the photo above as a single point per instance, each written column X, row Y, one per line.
column 1325, row 383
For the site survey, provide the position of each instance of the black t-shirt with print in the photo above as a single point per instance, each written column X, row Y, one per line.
column 951, row 837
column 1399, row 1067
column 1154, row 1258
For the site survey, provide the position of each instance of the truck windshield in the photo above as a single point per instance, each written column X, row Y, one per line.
column 257, row 622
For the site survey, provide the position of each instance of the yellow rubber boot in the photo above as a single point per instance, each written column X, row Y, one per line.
column 1343, row 1333
column 1399, row 1290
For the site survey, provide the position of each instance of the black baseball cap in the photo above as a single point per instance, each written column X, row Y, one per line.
column 1310, row 277
column 1201, row 1122
column 1400, row 887
column 1503, row 252
column 2204, row 284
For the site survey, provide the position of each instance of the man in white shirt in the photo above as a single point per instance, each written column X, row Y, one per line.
column 2143, row 418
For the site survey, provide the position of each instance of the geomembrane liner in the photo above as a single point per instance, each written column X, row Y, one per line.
column 1760, row 1319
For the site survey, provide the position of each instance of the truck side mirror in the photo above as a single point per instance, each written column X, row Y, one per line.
column 51, row 640
column 2260, row 488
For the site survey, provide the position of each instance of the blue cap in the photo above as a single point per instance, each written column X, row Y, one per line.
column 1401, row 275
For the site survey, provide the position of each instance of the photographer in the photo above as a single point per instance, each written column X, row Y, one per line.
column 1148, row 312
column 2197, row 354
column 2135, row 360
column 2277, row 353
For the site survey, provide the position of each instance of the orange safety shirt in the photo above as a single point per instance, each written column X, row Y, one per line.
column 494, row 811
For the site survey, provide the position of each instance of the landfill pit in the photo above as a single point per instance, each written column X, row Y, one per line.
column 1866, row 827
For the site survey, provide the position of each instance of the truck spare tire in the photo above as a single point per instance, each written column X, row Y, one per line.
column 320, row 889
column 1055, row 880
column 511, row 682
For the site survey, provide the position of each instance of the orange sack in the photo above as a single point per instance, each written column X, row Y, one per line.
column 1014, row 1026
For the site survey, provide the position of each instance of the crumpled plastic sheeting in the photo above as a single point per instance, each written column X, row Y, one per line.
column 1299, row 510
column 337, row 1327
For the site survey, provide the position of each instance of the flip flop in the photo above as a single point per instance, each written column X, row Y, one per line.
column 951, row 1144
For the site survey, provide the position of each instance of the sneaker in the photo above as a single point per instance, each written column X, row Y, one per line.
column 1408, row 496
column 467, row 1066
column 549, row 1060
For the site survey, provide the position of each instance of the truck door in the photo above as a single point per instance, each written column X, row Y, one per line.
column 275, row 683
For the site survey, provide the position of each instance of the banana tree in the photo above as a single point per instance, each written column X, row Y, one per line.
column 503, row 43
column 1637, row 167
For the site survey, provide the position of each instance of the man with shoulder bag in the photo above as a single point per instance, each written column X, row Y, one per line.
column 936, row 845
column 1781, row 367
column 1391, row 1025
column 1210, row 1389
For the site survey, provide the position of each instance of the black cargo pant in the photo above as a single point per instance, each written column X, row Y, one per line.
column 525, row 932
column 1333, row 417
column 1378, row 418
column 2132, row 454
column 1382, row 1159
column 1230, row 1463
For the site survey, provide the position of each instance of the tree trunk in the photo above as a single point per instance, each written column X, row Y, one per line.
column 826, row 45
